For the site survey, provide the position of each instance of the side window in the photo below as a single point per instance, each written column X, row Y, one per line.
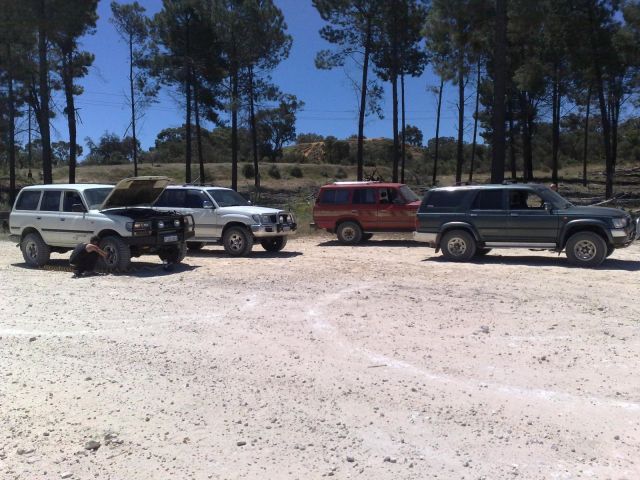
column 534, row 201
column 446, row 198
column 28, row 200
column 364, row 196
column 194, row 199
column 50, row 201
column 335, row 196
column 488, row 200
column 172, row 198
column 69, row 200
column 524, row 200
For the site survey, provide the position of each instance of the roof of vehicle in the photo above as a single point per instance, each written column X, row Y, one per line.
column 512, row 186
column 214, row 187
column 67, row 186
column 363, row 184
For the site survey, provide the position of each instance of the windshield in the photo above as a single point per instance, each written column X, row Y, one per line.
column 555, row 198
column 228, row 198
column 95, row 196
column 408, row 194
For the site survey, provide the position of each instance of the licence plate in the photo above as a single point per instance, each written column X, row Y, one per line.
column 171, row 238
column 286, row 228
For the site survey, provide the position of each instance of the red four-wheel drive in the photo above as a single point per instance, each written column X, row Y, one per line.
column 357, row 210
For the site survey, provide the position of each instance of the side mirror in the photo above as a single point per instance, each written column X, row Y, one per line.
column 207, row 204
column 78, row 207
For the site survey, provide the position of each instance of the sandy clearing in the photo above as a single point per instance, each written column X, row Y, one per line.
column 383, row 354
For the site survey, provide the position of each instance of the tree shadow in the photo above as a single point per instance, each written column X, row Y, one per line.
column 543, row 261
column 220, row 253
column 375, row 244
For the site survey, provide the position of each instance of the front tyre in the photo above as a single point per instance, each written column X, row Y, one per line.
column 458, row 246
column 35, row 252
column 586, row 249
column 118, row 257
column 349, row 233
column 481, row 252
column 366, row 237
column 273, row 244
column 237, row 241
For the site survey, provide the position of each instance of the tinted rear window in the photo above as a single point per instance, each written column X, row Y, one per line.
column 446, row 198
column 364, row 196
column 488, row 200
column 28, row 200
column 50, row 201
column 334, row 196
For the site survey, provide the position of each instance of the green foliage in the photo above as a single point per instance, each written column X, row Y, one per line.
column 110, row 150
column 274, row 172
column 341, row 173
column 309, row 138
column 248, row 171
column 296, row 172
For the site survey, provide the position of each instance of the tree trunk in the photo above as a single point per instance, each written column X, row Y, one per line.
column 43, row 86
column 254, row 132
column 499, row 88
column 363, row 103
column 555, row 136
column 585, row 153
column 460, row 144
column 396, row 149
column 70, row 111
column 133, row 109
column 187, row 86
column 435, row 156
column 512, row 141
column 12, row 130
column 234, row 129
column 527, row 152
column 404, row 126
column 475, row 126
column 196, row 107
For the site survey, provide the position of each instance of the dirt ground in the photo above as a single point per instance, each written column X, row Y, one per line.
column 377, row 362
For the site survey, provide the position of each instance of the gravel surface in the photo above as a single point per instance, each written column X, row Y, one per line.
column 380, row 361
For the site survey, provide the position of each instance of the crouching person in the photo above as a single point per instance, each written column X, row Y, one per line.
column 85, row 256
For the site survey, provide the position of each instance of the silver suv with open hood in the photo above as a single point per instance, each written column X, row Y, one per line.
column 55, row 218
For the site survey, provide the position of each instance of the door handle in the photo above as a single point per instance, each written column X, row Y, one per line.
column 354, row 211
column 473, row 214
column 38, row 218
column 514, row 214
column 62, row 219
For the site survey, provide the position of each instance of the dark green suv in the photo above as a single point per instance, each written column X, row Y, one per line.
column 469, row 221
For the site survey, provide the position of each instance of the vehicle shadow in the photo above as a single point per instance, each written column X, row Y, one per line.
column 219, row 253
column 542, row 261
column 138, row 269
column 375, row 244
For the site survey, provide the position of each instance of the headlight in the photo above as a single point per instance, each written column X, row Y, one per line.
column 160, row 224
column 619, row 222
column 256, row 218
column 176, row 223
column 266, row 219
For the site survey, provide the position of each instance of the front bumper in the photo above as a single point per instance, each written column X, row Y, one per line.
column 273, row 230
column 625, row 237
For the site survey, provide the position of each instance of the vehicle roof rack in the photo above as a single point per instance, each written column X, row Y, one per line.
column 357, row 182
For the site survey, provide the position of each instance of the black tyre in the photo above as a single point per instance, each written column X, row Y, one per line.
column 118, row 257
column 366, row 237
column 349, row 233
column 195, row 246
column 237, row 241
column 481, row 252
column 35, row 252
column 273, row 244
column 458, row 246
column 586, row 249
column 610, row 250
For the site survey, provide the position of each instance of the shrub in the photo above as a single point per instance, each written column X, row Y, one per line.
column 274, row 172
column 248, row 171
column 340, row 173
column 296, row 172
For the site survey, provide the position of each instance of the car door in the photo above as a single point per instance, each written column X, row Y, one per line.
column 205, row 218
column 49, row 218
column 529, row 221
column 393, row 213
column 73, row 224
column 489, row 215
column 364, row 203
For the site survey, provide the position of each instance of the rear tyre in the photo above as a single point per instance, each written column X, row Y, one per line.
column 237, row 241
column 481, row 252
column 274, row 244
column 349, row 233
column 195, row 246
column 118, row 257
column 366, row 237
column 458, row 246
column 35, row 252
column 586, row 249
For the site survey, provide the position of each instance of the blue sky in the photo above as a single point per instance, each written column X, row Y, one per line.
column 330, row 101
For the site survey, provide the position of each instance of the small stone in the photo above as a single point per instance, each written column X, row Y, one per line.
column 241, row 443
column 617, row 437
column 350, row 459
column 32, row 339
column 66, row 475
column 484, row 328
column 92, row 445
